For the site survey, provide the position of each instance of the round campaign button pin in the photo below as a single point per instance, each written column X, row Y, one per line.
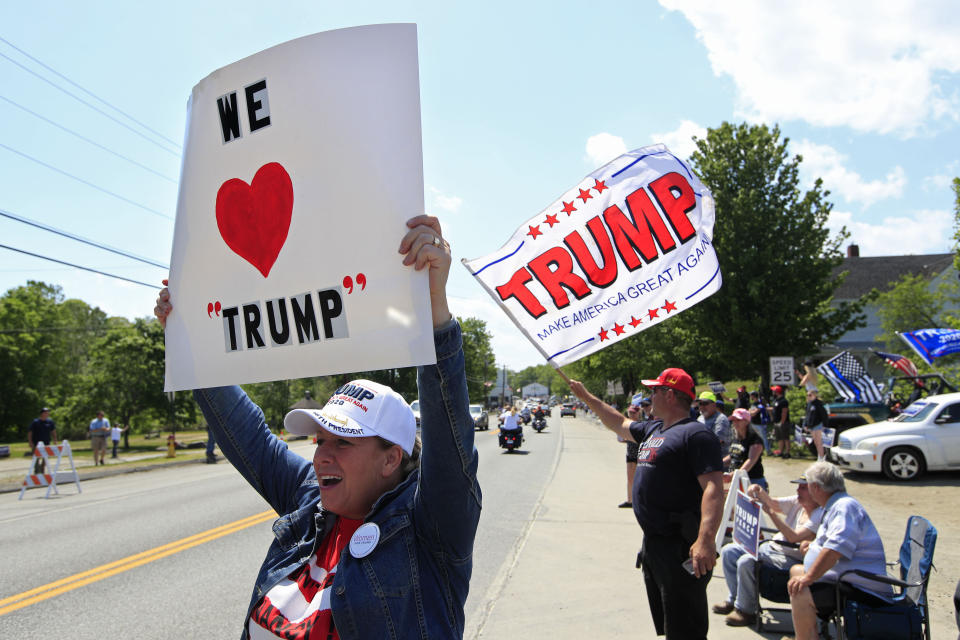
column 364, row 540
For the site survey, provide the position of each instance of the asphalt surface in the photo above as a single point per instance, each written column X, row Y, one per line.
column 554, row 556
column 202, row 591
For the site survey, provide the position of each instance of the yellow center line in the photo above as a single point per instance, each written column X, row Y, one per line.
column 83, row 578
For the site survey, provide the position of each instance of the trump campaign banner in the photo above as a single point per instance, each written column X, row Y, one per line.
column 628, row 247
column 932, row 343
column 301, row 165
column 746, row 523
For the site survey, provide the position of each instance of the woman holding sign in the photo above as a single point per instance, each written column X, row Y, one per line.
column 375, row 538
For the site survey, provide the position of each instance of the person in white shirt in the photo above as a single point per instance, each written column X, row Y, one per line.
column 511, row 421
column 797, row 517
column 115, row 433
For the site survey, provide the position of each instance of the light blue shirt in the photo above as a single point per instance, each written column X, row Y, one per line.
column 99, row 423
column 847, row 529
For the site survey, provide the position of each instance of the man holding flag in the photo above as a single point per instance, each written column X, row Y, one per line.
column 677, row 500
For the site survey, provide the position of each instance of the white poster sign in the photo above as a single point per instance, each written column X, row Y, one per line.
column 782, row 370
column 627, row 248
column 300, row 167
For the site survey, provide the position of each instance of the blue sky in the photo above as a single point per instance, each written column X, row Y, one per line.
column 519, row 101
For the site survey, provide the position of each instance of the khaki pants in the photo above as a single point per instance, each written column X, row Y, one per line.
column 99, row 444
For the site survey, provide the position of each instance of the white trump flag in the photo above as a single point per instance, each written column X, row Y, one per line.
column 627, row 248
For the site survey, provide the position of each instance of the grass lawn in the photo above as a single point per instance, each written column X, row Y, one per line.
column 139, row 445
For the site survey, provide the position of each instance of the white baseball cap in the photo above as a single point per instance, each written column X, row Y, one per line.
column 359, row 409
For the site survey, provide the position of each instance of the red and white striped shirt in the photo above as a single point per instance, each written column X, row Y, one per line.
column 298, row 607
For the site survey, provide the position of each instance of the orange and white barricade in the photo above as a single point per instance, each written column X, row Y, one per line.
column 50, row 480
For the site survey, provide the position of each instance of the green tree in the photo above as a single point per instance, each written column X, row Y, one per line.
column 776, row 255
column 124, row 377
column 44, row 347
column 956, row 222
column 479, row 360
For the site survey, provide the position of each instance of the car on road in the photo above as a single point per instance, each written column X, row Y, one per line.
column 568, row 410
column 481, row 419
column 925, row 437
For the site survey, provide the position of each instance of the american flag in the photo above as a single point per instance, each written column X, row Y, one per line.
column 899, row 362
column 850, row 379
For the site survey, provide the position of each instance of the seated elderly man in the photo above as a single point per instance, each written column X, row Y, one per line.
column 847, row 539
column 797, row 517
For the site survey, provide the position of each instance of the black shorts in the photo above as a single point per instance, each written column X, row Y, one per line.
column 825, row 596
column 632, row 449
column 784, row 432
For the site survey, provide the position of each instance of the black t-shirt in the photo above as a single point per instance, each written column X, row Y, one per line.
column 41, row 430
column 780, row 405
column 816, row 413
column 668, row 463
column 740, row 452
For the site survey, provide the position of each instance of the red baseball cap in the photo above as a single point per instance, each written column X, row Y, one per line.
column 777, row 389
column 676, row 379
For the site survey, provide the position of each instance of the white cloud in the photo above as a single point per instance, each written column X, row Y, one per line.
column 942, row 180
column 445, row 202
column 921, row 232
column 509, row 345
column 604, row 147
column 823, row 161
column 680, row 140
column 870, row 65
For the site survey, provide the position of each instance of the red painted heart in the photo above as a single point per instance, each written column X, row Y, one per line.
column 254, row 218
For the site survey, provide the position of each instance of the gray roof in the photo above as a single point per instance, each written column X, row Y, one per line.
column 865, row 274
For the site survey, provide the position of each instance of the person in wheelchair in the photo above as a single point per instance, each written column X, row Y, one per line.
column 847, row 539
column 797, row 518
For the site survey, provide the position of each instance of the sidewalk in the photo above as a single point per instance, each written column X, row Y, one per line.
column 574, row 576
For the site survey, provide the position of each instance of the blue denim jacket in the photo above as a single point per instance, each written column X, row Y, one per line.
column 414, row 584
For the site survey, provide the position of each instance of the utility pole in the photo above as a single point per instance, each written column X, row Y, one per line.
column 503, row 385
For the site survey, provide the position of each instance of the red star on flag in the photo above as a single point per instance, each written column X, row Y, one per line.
column 652, row 313
column 600, row 186
column 534, row 231
column 603, row 334
column 551, row 220
column 634, row 322
column 568, row 207
column 669, row 306
column 618, row 328
column 584, row 195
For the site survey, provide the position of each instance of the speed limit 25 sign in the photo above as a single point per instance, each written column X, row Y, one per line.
column 782, row 371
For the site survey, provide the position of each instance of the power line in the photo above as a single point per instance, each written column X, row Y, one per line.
column 90, row 93
column 77, row 266
column 84, row 102
column 65, row 234
column 81, row 180
column 88, row 140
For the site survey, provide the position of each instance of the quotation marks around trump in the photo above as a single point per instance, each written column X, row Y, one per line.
column 299, row 319
column 348, row 282
column 254, row 218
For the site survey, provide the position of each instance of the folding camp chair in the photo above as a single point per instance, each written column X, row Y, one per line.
column 771, row 583
column 907, row 616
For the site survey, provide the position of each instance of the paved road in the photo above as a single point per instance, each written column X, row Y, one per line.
column 200, row 587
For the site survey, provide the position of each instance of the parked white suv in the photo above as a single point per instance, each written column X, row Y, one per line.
column 925, row 437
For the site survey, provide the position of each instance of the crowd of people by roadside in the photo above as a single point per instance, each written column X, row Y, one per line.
column 678, row 446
